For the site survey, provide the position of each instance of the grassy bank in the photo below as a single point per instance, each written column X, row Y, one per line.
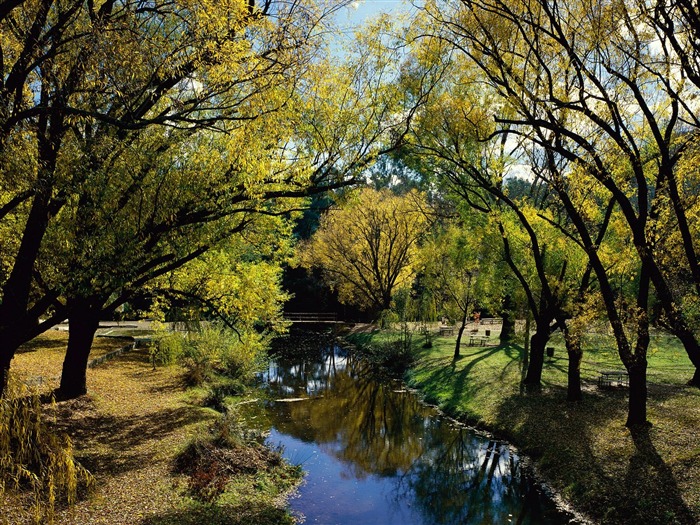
column 130, row 430
column 583, row 450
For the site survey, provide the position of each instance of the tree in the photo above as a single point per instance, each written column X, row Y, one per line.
column 456, row 142
column 456, row 265
column 592, row 89
column 367, row 245
column 90, row 89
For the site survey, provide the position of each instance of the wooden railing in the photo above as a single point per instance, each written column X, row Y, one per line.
column 311, row 317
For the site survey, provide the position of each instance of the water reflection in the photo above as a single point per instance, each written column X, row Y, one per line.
column 375, row 454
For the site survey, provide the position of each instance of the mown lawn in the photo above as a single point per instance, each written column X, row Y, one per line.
column 128, row 431
column 583, row 450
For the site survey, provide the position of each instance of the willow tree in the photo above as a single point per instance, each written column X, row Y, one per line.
column 592, row 89
column 86, row 85
column 366, row 246
column 457, row 265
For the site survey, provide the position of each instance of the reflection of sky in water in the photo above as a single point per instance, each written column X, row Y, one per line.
column 375, row 455
column 331, row 494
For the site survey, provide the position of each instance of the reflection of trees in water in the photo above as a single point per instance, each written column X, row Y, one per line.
column 357, row 418
column 464, row 479
column 310, row 375
column 449, row 473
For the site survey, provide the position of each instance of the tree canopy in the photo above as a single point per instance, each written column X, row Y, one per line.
column 367, row 246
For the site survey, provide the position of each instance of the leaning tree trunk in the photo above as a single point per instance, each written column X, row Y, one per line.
column 462, row 326
column 10, row 340
column 690, row 343
column 83, row 322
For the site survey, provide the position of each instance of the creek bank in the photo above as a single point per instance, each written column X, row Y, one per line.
column 129, row 430
column 582, row 451
column 397, row 360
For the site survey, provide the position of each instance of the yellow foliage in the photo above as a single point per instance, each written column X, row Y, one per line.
column 367, row 246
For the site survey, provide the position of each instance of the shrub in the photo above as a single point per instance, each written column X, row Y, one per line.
column 34, row 457
column 214, row 350
column 167, row 348
column 229, row 450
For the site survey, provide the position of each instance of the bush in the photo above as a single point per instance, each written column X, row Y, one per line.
column 34, row 457
column 167, row 348
column 229, row 450
column 214, row 350
column 393, row 356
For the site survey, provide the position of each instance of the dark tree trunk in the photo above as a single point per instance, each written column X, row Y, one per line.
column 637, row 366
column 573, row 349
column 690, row 343
column 10, row 340
column 4, row 371
column 637, row 409
column 83, row 323
column 695, row 380
column 508, row 327
column 462, row 325
column 538, row 342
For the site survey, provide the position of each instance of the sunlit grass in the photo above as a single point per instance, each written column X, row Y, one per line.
column 583, row 449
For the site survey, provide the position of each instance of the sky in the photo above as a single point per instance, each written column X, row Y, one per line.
column 361, row 10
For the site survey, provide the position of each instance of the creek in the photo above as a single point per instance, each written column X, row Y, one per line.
column 373, row 453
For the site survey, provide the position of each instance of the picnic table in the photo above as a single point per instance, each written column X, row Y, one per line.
column 478, row 340
column 609, row 378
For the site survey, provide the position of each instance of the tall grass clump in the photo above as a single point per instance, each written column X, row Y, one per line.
column 35, row 460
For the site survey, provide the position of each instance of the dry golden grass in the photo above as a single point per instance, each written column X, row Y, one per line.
column 129, row 430
column 126, row 431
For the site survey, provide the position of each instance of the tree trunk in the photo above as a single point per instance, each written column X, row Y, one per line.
column 10, row 340
column 573, row 349
column 695, row 380
column 537, row 346
column 508, row 327
column 690, row 343
column 637, row 409
column 83, row 323
column 4, row 372
column 465, row 314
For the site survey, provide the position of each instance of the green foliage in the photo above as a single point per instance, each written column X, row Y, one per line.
column 34, row 457
column 214, row 350
column 167, row 348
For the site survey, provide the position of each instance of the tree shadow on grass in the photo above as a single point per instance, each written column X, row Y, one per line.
column 42, row 344
column 621, row 482
column 109, row 445
column 452, row 384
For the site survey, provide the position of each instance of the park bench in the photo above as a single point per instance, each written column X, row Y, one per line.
column 609, row 378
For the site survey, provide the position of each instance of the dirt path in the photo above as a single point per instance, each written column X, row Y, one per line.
column 127, row 431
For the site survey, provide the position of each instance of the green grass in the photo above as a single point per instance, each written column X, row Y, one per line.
column 582, row 449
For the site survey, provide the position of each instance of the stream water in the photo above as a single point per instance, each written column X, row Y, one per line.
column 374, row 454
